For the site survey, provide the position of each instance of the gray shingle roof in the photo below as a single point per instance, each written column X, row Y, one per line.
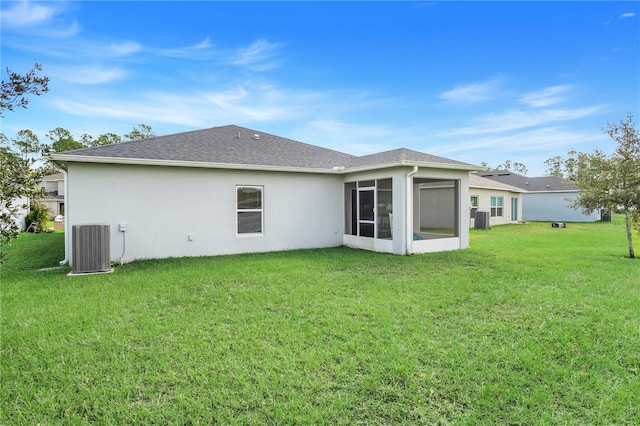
column 235, row 145
column 401, row 155
column 223, row 145
column 476, row 181
column 531, row 184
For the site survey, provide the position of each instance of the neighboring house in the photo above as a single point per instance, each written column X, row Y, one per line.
column 22, row 205
column 502, row 201
column 53, row 186
column 234, row 190
column 545, row 198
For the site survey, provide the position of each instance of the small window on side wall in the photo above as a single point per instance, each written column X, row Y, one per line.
column 249, row 210
column 473, row 206
column 497, row 204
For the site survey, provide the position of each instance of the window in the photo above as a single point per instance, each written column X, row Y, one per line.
column 497, row 203
column 473, row 206
column 249, row 209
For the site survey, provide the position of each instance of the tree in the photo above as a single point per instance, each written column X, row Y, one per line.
column 142, row 131
column 562, row 167
column 17, row 177
column 508, row 165
column 610, row 181
column 13, row 92
column 106, row 139
column 553, row 166
column 18, row 180
column 63, row 140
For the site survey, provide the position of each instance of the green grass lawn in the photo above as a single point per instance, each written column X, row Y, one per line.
column 531, row 325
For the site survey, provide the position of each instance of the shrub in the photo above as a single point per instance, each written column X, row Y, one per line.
column 39, row 215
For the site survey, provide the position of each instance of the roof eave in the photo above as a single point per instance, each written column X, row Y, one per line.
column 65, row 158
column 497, row 188
column 62, row 159
column 552, row 190
column 461, row 167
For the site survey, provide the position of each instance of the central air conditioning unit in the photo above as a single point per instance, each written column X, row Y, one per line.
column 481, row 221
column 91, row 249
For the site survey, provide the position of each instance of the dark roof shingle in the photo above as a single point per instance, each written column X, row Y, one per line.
column 235, row 145
column 531, row 184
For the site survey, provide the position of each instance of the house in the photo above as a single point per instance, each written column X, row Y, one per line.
column 231, row 189
column 53, row 186
column 501, row 200
column 503, row 203
column 17, row 208
column 546, row 198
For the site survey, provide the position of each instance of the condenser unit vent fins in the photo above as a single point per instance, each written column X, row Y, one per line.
column 481, row 221
column 91, row 248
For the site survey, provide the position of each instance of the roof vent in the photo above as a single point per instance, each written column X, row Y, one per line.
column 256, row 136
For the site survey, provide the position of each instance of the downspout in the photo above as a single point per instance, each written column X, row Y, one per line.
column 408, row 221
column 67, row 230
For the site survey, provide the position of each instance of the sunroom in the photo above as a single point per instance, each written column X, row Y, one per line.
column 406, row 210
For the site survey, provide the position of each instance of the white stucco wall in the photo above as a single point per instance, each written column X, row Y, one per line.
column 175, row 211
column 484, row 204
column 22, row 204
column 553, row 206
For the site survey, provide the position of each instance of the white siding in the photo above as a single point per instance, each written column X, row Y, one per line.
column 553, row 206
column 484, row 204
column 22, row 204
column 175, row 211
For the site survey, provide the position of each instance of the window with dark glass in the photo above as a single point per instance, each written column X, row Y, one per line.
column 249, row 209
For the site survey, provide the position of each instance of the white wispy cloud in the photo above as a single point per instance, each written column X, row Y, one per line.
column 513, row 119
column 259, row 55
column 627, row 15
column 125, row 48
column 539, row 139
column 545, row 97
column 201, row 50
column 35, row 18
column 472, row 93
column 140, row 110
column 26, row 14
column 89, row 74
column 350, row 137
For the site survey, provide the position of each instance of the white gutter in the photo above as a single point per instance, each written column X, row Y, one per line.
column 408, row 222
column 67, row 230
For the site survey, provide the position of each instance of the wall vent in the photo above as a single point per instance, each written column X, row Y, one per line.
column 91, row 249
column 481, row 221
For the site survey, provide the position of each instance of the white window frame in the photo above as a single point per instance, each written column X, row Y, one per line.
column 494, row 208
column 258, row 210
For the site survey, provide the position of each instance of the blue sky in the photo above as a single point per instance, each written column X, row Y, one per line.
column 473, row 81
